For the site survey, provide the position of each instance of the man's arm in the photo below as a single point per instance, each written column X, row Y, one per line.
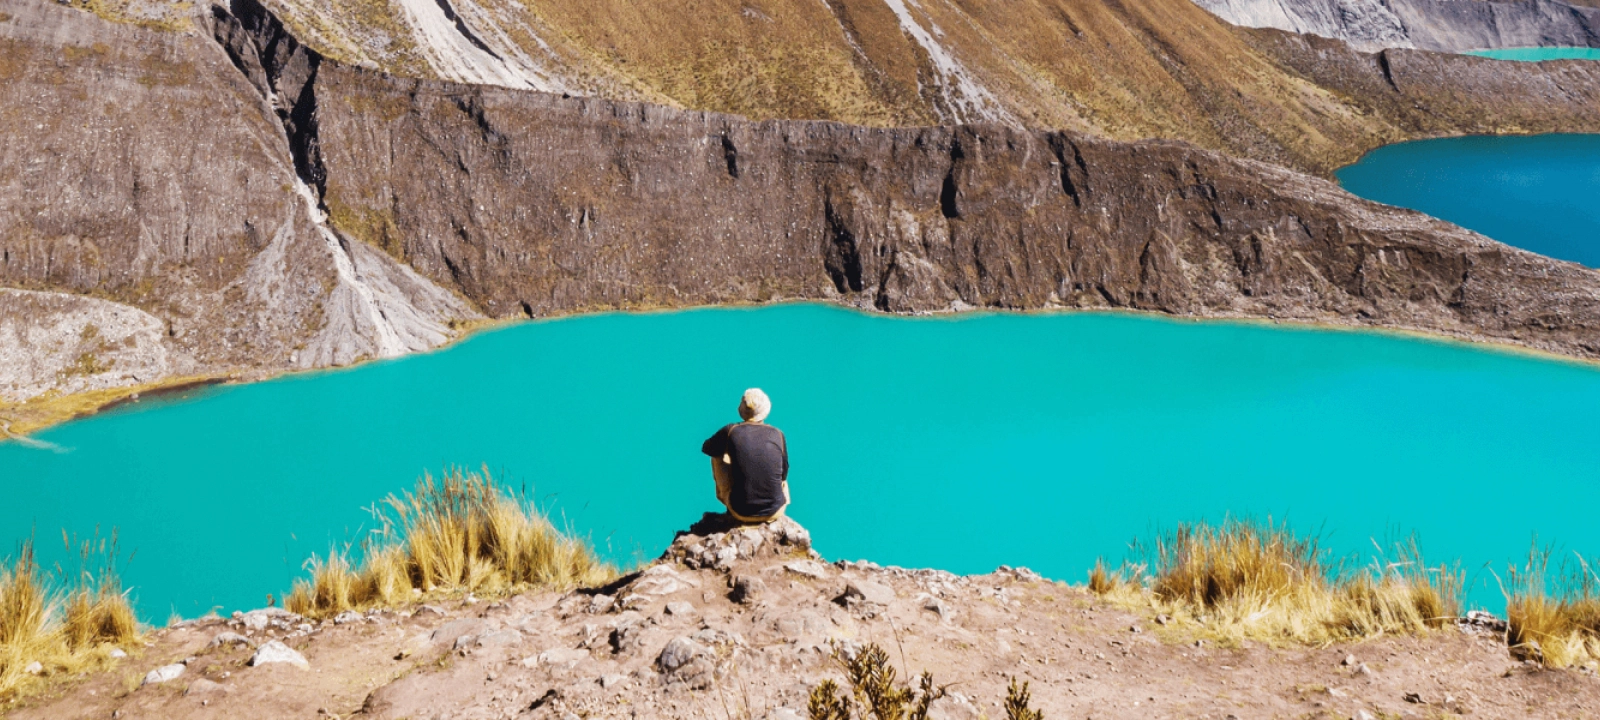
column 717, row 445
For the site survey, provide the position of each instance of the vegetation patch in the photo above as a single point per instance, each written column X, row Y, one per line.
column 1259, row 581
column 1554, row 621
column 52, row 626
column 875, row 694
column 459, row 534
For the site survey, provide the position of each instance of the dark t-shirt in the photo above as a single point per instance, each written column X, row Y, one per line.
column 760, row 465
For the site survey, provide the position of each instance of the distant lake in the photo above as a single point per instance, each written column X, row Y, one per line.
column 1540, row 192
column 962, row 443
column 1536, row 54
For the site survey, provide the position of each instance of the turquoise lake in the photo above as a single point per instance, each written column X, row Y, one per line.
column 963, row 443
column 1539, row 192
column 1537, row 54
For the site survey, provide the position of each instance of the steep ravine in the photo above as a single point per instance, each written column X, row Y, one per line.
column 159, row 172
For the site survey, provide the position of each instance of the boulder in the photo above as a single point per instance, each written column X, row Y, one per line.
column 869, row 592
column 808, row 568
column 747, row 589
column 165, row 673
column 229, row 638
column 679, row 653
column 277, row 652
column 206, row 687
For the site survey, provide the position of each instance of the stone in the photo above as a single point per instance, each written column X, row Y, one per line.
column 117, row 653
column 499, row 638
column 1349, row 661
column 601, row 603
column 558, row 657
column 870, row 592
column 632, row 602
column 229, row 638
column 258, row 620
column 747, row 589
column 348, row 616
column 808, row 568
column 660, row 580
column 680, row 609
column 427, row 610
column 953, row 706
column 37, row 668
column 784, row 713
column 165, row 673
column 451, row 632
column 612, row 680
column 1363, row 715
column 203, row 686
column 276, row 652
column 678, row 653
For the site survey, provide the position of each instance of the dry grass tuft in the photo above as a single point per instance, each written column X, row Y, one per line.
column 42, row 634
column 1560, row 629
column 458, row 534
column 1249, row 581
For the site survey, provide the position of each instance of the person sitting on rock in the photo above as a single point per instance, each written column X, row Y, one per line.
column 750, row 462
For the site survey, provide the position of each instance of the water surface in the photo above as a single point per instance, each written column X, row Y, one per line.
column 1540, row 192
column 1537, row 54
column 1037, row 440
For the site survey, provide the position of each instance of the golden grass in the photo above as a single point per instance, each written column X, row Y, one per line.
column 458, row 534
column 1248, row 581
column 64, row 632
column 1560, row 629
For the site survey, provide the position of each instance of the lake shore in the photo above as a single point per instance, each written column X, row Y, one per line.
column 20, row 420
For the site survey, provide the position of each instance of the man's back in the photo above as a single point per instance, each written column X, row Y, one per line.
column 760, row 465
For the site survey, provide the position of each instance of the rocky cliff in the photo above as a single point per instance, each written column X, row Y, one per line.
column 248, row 205
column 141, row 168
column 1448, row 25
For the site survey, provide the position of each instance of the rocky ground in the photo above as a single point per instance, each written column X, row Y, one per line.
column 742, row 624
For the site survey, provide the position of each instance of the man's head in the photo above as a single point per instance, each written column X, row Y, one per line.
column 755, row 405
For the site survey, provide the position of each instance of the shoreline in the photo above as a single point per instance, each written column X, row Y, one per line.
column 15, row 426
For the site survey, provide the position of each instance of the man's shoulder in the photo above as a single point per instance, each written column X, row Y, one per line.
column 757, row 429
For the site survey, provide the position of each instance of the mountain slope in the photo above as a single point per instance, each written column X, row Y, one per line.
column 1123, row 69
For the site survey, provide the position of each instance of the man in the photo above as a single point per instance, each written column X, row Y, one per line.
column 750, row 461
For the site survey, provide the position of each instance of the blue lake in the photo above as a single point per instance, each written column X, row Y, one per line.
column 1539, row 192
column 963, row 443
column 1539, row 54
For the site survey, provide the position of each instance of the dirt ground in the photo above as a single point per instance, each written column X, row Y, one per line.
column 743, row 624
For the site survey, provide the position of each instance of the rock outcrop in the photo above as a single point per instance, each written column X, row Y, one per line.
column 1447, row 25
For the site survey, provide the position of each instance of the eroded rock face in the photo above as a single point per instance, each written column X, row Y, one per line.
column 534, row 204
column 73, row 343
column 147, row 169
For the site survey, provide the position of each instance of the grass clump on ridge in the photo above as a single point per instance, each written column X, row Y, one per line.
column 1560, row 629
column 1258, row 581
column 461, row 533
column 46, row 630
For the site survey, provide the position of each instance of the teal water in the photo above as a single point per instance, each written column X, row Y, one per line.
column 1534, row 192
column 1537, row 54
column 1037, row 440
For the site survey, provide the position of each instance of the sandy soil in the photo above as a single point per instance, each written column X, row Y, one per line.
column 741, row 625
